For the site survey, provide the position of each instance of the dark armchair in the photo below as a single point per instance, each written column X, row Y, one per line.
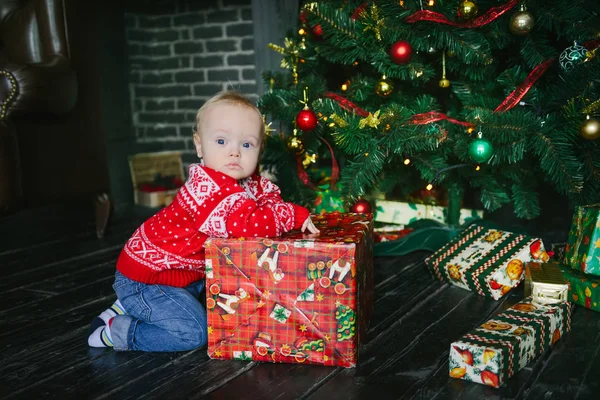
column 37, row 82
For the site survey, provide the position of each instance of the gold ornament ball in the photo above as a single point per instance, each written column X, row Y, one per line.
column 384, row 87
column 521, row 23
column 295, row 144
column 590, row 129
column 444, row 83
column 467, row 10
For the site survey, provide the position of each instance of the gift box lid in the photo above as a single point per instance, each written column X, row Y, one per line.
column 548, row 274
column 336, row 228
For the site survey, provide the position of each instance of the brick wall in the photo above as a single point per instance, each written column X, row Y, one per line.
column 181, row 52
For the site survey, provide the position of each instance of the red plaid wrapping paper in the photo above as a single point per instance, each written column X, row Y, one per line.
column 292, row 299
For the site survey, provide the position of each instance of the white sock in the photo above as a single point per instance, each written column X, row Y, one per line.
column 101, row 336
column 111, row 312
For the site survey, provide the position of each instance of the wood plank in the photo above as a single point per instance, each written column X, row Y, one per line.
column 412, row 348
column 32, row 294
column 55, row 307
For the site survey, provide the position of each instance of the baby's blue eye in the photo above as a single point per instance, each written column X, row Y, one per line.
column 247, row 145
column 220, row 141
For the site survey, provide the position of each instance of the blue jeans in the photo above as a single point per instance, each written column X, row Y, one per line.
column 159, row 317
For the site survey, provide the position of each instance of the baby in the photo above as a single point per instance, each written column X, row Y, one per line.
column 160, row 272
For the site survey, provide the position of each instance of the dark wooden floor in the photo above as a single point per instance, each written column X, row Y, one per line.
column 56, row 276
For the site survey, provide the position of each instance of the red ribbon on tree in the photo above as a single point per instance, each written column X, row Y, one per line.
column 517, row 94
column 335, row 169
column 346, row 104
column 434, row 116
column 490, row 15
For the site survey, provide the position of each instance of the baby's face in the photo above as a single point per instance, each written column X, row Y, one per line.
column 229, row 139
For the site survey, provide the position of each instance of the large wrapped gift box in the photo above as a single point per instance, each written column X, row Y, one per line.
column 292, row 299
column 583, row 247
column 496, row 350
column 487, row 261
column 583, row 289
column 396, row 212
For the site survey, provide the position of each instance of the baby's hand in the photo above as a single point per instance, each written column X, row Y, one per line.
column 308, row 224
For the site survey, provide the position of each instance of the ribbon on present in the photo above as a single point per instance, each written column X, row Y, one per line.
column 491, row 15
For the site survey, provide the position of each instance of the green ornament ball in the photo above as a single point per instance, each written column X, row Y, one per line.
column 480, row 150
column 572, row 56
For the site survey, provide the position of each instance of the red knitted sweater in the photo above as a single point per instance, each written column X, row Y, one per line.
column 168, row 248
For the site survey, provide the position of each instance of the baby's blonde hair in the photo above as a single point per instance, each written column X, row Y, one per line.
column 228, row 97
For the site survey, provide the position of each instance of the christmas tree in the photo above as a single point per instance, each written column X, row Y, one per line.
column 493, row 97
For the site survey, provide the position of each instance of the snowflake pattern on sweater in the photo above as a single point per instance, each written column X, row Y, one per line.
column 168, row 247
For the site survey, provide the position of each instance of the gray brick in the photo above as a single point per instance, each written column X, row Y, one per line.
column 186, row 132
column 167, row 63
column 192, row 19
column 156, row 50
column 223, row 75
column 174, row 145
column 245, row 88
column 185, row 62
column 166, row 36
column 248, row 74
column 154, row 22
column 218, row 17
column 189, row 158
column 241, row 59
column 189, row 76
column 150, row 78
column 208, row 61
column 142, row 63
column 192, row 116
column 162, row 132
column 242, row 29
column 139, row 132
column 229, row 3
column 161, row 117
column 221, row 45
column 137, row 105
column 153, row 105
column 247, row 44
column 184, row 34
column 163, row 91
column 247, row 14
column 187, row 104
column 150, row 147
column 189, row 48
column 207, row 32
column 207, row 89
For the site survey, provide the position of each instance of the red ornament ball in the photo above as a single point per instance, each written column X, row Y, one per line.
column 401, row 52
column 306, row 120
column 317, row 31
column 361, row 206
column 302, row 16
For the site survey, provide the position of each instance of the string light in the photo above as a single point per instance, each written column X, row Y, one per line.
column 344, row 86
column 406, row 161
column 431, row 3
column 429, row 186
column 477, row 167
column 301, row 32
column 470, row 130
